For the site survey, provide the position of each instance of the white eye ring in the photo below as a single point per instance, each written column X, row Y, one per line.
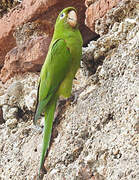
column 62, row 15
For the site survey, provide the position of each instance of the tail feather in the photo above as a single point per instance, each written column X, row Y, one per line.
column 49, row 116
column 40, row 108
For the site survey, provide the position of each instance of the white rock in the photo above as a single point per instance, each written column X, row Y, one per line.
column 11, row 123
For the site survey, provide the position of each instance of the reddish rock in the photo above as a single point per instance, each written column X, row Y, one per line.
column 113, row 3
column 97, row 10
column 30, row 10
column 29, row 57
column 104, row 6
column 43, row 12
column 21, row 14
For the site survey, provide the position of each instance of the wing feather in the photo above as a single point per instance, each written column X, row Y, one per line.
column 53, row 72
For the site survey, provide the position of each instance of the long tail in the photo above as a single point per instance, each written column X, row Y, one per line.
column 49, row 116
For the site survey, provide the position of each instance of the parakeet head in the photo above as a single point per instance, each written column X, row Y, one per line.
column 67, row 17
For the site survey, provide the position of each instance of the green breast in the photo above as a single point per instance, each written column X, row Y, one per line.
column 74, row 43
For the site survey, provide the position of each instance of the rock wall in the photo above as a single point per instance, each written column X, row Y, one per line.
column 97, row 9
column 96, row 132
column 33, row 21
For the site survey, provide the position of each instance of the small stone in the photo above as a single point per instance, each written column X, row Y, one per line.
column 30, row 100
column 9, row 113
column 136, row 127
column 11, row 123
column 102, row 72
column 15, row 89
column 3, row 99
column 137, row 102
column 121, row 27
column 115, row 27
column 115, row 152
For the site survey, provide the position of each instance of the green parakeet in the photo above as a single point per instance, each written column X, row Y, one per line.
column 58, row 71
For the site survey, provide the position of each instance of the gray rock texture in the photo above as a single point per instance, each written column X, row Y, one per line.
column 96, row 132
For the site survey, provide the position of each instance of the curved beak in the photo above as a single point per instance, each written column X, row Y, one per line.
column 72, row 18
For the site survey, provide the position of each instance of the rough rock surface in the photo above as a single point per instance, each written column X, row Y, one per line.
column 43, row 12
column 28, row 57
column 97, row 129
column 97, row 9
column 6, row 5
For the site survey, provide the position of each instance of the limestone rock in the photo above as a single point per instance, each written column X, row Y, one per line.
column 30, row 100
column 11, row 123
column 12, row 95
column 9, row 113
column 19, row 99
column 97, row 128
column 116, row 15
column 97, row 51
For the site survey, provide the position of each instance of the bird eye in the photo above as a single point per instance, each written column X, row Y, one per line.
column 62, row 15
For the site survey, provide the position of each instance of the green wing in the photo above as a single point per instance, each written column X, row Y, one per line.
column 53, row 72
